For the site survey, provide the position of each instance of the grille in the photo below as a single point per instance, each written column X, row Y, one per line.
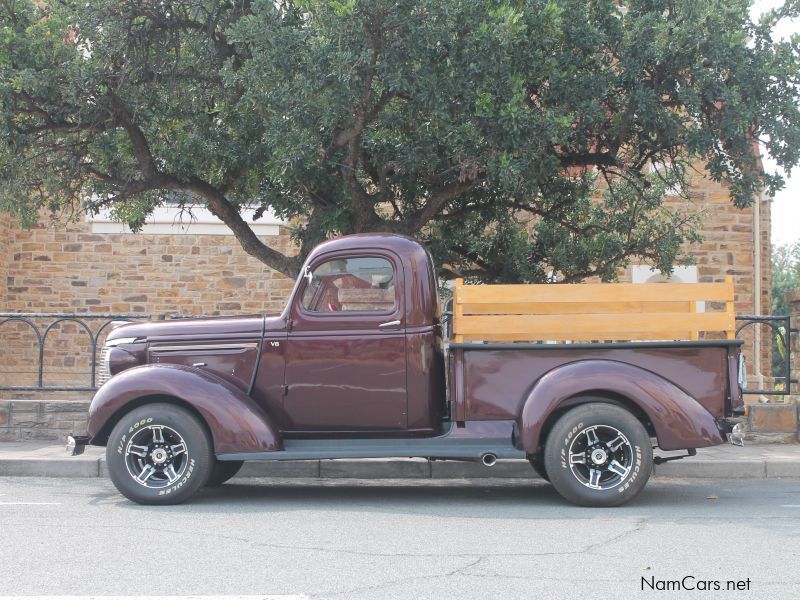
column 104, row 370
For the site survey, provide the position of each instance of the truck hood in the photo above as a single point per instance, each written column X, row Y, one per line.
column 245, row 326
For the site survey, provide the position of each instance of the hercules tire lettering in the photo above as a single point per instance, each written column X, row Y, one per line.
column 596, row 416
column 195, row 460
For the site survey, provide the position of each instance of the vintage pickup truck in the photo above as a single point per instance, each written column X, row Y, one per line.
column 357, row 366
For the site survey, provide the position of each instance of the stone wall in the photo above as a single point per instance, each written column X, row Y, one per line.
column 793, row 300
column 41, row 420
column 728, row 248
column 5, row 243
column 780, row 422
column 71, row 269
column 74, row 270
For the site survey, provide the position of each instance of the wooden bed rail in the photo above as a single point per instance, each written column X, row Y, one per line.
column 591, row 311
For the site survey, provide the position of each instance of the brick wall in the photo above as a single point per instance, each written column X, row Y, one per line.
column 729, row 249
column 72, row 269
column 5, row 242
column 75, row 270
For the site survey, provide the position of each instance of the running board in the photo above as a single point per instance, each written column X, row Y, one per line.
column 444, row 447
column 660, row 460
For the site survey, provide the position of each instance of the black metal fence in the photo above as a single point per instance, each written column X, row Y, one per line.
column 101, row 321
column 782, row 330
column 780, row 326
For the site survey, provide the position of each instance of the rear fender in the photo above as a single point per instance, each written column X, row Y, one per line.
column 236, row 422
column 679, row 421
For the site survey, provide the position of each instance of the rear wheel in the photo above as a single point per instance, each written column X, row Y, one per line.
column 159, row 454
column 598, row 455
column 222, row 471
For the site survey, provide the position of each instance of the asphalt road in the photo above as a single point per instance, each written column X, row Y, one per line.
column 399, row 539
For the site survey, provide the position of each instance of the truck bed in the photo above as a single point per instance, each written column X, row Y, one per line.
column 491, row 381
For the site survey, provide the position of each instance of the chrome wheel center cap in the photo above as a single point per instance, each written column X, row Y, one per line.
column 599, row 456
column 159, row 456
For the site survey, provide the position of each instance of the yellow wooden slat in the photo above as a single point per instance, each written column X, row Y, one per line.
column 458, row 310
column 595, row 292
column 590, row 312
column 729, row 306
column 601, row 326
column 581, row 337
column 561, row 308
column 694, row 334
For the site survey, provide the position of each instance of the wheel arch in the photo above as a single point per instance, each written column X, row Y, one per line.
column 593, row 396
column 676, row 419
column 234, row 421
column 101, row 437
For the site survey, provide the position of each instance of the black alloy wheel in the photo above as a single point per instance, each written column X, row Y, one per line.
column 159, row 454
column 598, row 455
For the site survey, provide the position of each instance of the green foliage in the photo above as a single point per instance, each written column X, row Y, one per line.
column 785, row 277
column 516, row 137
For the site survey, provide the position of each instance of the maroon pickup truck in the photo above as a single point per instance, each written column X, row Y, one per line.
column 356, row 367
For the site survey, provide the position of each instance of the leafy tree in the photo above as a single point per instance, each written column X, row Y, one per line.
column 516, row 137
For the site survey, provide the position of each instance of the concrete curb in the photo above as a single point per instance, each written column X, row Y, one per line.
column 31, row 460
column 48, row 467
column 713, row 469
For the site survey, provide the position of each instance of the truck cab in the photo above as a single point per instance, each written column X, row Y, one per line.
column 363, row 341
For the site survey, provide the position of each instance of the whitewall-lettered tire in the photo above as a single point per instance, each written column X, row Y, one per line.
column 598, row 455
column 159, row 454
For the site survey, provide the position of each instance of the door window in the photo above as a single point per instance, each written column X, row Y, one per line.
column 351, row 284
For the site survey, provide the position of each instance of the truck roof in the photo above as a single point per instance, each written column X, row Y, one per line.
column 400, row 244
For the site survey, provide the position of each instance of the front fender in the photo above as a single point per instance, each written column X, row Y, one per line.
column 236, row 422
column 679, row 420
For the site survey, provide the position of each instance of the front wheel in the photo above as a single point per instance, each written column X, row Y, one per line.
column 159, row 454
column 598, row 455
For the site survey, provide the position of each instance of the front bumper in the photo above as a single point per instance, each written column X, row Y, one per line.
column 77, row 444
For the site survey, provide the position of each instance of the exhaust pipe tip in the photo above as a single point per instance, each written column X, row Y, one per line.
column 489, row 459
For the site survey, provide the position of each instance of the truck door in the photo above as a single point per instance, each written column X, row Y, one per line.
column 346, row 354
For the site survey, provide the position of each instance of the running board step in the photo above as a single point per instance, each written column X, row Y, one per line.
column 440, row 447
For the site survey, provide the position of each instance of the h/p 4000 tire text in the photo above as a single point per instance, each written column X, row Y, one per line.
column 598, row 455
column 159, row 454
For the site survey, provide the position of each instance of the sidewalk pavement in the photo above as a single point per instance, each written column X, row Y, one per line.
column 44, row 459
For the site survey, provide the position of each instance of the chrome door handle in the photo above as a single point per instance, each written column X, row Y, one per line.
column 389, row 324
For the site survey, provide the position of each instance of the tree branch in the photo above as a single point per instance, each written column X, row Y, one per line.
column 364, row 117
column 141, row 148
column 222, row 208
column 586, row 159
column 436, row 203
